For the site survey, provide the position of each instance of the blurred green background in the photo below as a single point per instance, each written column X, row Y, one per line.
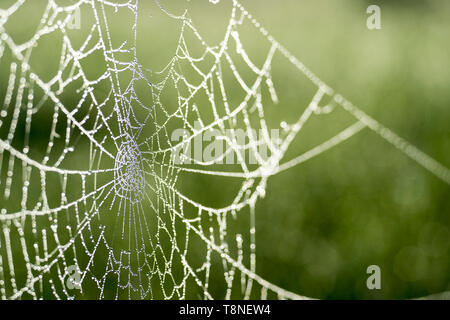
column 362, row 203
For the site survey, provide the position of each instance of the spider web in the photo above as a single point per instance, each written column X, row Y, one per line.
column 105, row 194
